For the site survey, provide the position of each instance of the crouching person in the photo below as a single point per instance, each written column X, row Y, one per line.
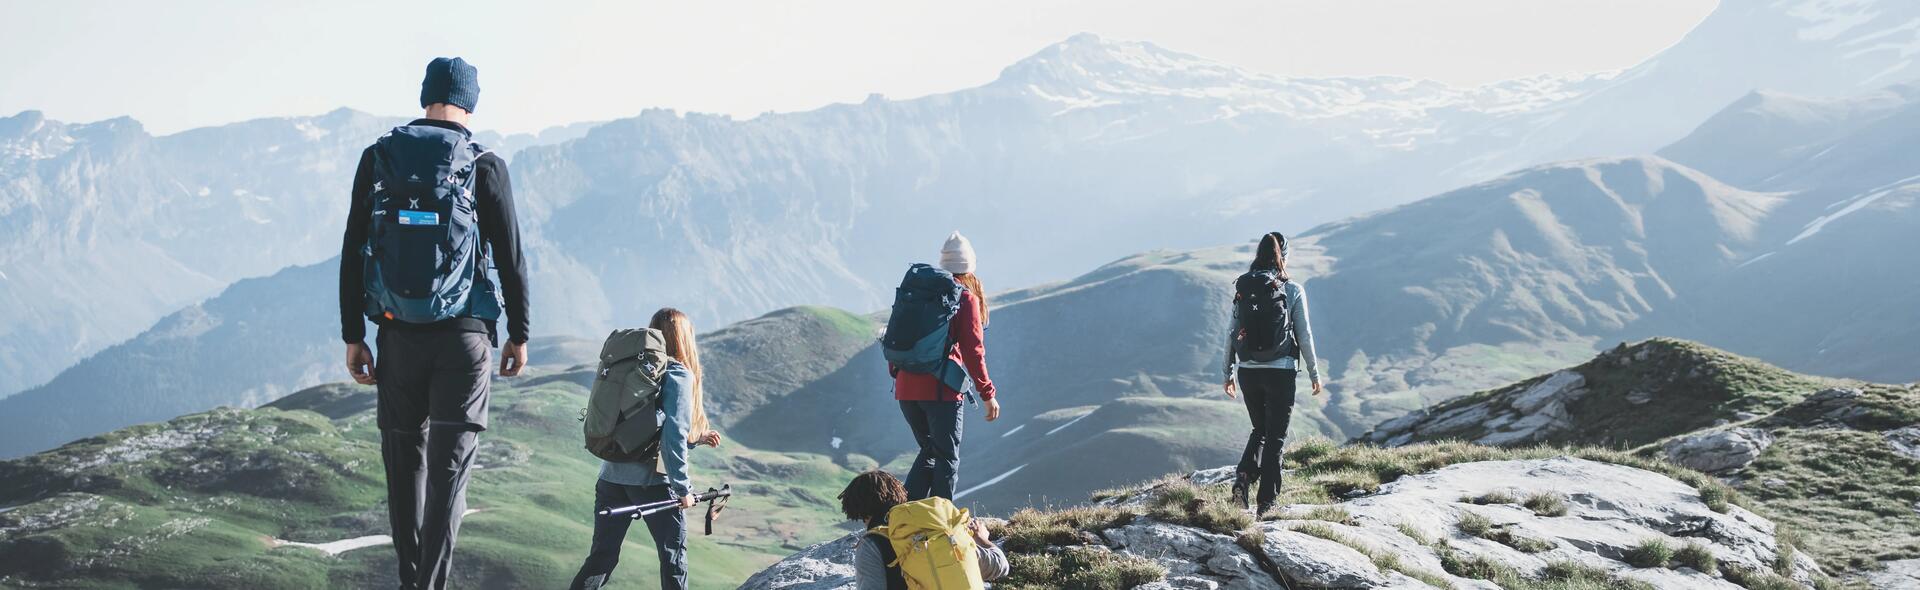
column 896, row 527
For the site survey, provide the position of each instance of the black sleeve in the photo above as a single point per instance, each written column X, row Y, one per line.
column 494, row 192
column 353, row 296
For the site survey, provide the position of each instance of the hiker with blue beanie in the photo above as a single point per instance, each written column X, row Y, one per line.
column 431, row 213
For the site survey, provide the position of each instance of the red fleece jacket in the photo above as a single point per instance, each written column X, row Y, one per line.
column 969, row 348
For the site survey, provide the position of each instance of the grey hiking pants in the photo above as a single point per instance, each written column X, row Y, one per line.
column 432, row 406
column 936, row 427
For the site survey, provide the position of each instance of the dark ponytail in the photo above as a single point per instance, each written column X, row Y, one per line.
column 1271, row 254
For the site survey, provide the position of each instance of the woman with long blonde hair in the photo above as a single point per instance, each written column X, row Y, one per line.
column 626, row 484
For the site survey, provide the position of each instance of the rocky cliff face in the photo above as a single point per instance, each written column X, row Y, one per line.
column 1468, row 525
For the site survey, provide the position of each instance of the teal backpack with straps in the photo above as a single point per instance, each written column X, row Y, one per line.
column 425, row 259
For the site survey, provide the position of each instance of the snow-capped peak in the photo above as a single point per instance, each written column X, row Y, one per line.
column 1086, row 71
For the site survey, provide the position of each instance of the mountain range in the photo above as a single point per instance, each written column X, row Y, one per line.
column 1481, row 285
column 1089, row 150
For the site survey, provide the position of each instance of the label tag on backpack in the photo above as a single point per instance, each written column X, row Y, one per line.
column 411, row 217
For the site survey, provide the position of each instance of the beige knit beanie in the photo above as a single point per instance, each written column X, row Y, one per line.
column 956, row 256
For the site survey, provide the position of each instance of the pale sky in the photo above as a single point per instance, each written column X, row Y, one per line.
column 181, row 64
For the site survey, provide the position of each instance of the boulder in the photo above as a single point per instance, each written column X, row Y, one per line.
column 1317, row 562
column 1904, row 573
column 1905, row 441
column 1718, row 451
column 1193, row 558
column 825, row 566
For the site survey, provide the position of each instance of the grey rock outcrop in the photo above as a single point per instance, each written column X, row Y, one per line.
column 1523, row 416
column 1412, row 522
column 1193, row 558
column 1718, row 451
column 1904, row 573
column 823, row 566
column 1905, row 441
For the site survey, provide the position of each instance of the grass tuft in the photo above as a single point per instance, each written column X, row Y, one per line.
column 1210, row 508
column 1698, row 557
column 1654, row 552
column 1546, row 504
column 1417, row 535
column 1756, row 579
column 1080, row 568
column 1031, row 531
column 1323, row 513
column 1474, row 525
column 1493, row 497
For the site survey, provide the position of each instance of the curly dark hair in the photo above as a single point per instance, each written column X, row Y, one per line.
column 870, row 495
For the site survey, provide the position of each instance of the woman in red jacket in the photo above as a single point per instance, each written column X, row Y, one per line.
column 932, row 409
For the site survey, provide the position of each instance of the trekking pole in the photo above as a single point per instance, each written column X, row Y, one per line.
column 716, row 500
column 635, row 508
column 706, row 496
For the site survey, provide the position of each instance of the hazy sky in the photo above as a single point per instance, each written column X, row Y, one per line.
column 182, row 64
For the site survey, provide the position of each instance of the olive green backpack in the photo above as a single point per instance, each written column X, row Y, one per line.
column 622, row 419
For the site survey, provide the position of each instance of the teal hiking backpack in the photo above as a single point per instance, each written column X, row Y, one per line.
column 918, row 329
column 425, row 260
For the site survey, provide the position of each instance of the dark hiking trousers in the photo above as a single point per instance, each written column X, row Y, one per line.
column 669, row 529
column 936, row 427
column 432, row 407
column 1269, row 397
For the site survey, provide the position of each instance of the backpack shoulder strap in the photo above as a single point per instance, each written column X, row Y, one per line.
column 878, row 537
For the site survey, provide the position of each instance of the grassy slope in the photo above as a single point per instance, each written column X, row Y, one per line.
column 1842, row 485
column 204, row 512
column 1686, row 386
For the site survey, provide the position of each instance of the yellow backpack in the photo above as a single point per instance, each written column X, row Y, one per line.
column 931, row 545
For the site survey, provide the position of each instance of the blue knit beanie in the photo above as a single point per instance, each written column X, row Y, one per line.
column 451, row 80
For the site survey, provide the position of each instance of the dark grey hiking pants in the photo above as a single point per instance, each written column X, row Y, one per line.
column 433, row 405
column 1269, row 394
column 669, row 530
column 936, row 427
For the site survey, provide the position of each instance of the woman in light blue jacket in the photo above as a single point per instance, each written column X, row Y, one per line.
column 1270, row 346
column 627, row 484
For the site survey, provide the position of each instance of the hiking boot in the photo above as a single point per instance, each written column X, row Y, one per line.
column 1263, row 510
column 1241, row 484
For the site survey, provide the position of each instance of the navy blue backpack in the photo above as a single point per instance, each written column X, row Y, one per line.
column 917, row 337
column 424, row 255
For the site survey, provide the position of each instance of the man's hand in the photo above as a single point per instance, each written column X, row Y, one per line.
column 686, row 501
column 1230, row 388
column 513, row 358
column 980, row 534
column 1316, row 388
column 711, row 439
column 360, row 363
column 993, row 409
